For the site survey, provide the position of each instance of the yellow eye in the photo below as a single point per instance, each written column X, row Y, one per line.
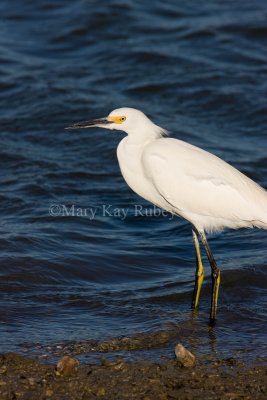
column 117, row 119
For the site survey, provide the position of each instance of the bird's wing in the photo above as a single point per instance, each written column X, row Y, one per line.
column 196, row 182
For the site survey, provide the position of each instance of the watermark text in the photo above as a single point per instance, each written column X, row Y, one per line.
column 106, row 210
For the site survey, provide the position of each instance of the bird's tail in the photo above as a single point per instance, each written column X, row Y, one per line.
column 261, row 224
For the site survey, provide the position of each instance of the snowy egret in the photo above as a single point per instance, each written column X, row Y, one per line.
column 186, row 181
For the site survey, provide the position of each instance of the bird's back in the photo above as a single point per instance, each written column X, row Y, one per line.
column 203, row 188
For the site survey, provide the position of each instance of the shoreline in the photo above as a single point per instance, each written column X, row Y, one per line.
column 22, row 377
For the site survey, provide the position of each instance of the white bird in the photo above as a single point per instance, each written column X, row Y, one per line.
column 186, row 181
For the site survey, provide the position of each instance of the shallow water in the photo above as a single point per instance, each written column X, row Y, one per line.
column 78, row 262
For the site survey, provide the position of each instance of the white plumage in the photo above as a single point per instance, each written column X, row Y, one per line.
column 185, row 180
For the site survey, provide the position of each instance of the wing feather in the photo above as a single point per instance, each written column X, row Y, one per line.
column 199, row 183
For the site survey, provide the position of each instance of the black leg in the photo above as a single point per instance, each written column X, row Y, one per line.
column 216, row 277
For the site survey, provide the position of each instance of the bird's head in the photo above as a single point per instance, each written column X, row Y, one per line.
column 126, row 119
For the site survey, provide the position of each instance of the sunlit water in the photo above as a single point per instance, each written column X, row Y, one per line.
column 83, row 257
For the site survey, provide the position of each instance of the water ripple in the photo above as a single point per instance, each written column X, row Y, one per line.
column 197, row 69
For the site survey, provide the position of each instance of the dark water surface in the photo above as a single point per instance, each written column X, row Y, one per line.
column 198, row 69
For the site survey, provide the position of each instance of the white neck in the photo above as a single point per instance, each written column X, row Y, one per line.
column 140, row 134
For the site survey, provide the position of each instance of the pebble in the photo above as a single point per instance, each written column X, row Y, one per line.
column 3, row 369
column 49, row 392
column 186, row 358
column 101, row 392
column 31, row 381
column 67, row 366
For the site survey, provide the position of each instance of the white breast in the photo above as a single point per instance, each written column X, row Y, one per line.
column 129, row 156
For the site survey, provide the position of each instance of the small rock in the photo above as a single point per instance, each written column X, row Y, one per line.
column 31, row 381
column 186, row 358
column 67, row 366
column 101, row 392
column 3, row 369
column 49, row 392
column 119, row 365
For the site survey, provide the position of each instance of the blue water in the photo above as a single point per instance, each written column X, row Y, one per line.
column 198, row 69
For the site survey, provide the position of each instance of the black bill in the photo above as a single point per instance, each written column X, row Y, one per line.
column 89, row 124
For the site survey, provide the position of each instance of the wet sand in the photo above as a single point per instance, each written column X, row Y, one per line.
column 25, row 378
